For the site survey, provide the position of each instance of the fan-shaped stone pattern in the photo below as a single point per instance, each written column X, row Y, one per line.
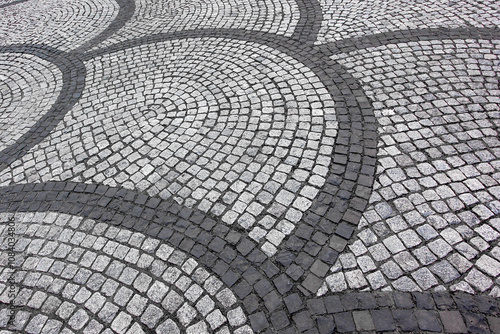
column 29, row 86
column 433, row 219
column 154, row 17
column 89, row 276
column 350, row 18
column 226, row 130
column 61, row 24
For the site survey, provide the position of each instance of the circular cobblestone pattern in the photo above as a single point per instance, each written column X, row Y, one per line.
column 249, row 166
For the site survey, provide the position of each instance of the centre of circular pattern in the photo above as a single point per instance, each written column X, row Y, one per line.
column 235, row 129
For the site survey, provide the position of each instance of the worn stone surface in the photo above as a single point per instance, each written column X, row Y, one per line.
column 249, row 166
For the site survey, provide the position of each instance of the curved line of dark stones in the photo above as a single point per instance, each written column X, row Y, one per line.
column 254, row 279
column 125, row 13
column 309, row 24
column 339, row 206
column 406, row 36
column 342, row 200
column 227, row 252
column 73, row 76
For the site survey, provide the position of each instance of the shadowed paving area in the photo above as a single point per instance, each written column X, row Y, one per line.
column 249, row 166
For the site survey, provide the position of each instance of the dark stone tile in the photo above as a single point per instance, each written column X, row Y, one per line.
column 251, row 303
column 279, row 320
column 320, row 238
column 326, row 226
column 344, row 322
column 294, row 244
column 465, row 302
column 242, row 289
column 363, row 321
column 217, row 245
column 312, row 283
column 366, row 301
column 233, row 237
column 443, row 300
column 304, row 232
column 257, row 256
column 405, row 320
column 312, row 248
column 283, row 284
column 263, row 287
column 319, row 268
column 333, row 304
column 285, row 258
column 294, row 271
column 403, row 300
column 383, row 320
column 258, row 322
column 349, row 301
column 272, row 301
column 245, row 247
column 494, row 323
column 337, row 243
column 303, row 321
column 325, row 324
column 269, row 269
column 476, row 323
column 424, row 301
column 252, row 275
column 487, row 305
column 344, row 230
column 328, row 255
column 304, row 260
column 428, row 321
column 452, row 322
column 229, row 278
column 228, row 254
column 293, row 303
column 316, row 306
column 384, row 299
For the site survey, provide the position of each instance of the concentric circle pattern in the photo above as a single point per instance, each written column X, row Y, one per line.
column 432, row 222
column 29, row 86
column 251, row 145
column 58, row 23
column 154, row 17
column 249, row 166
column 81, row 275
column 353, row 18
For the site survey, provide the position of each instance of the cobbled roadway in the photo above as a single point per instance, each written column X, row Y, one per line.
column 249, row 166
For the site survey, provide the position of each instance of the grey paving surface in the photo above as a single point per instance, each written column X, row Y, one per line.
column 249, row 166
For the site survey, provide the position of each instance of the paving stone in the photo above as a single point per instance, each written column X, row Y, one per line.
column 344, row 322
column 306, row 158
column 363, row 321
column 279, row 320
column 494, row 323
column 476, row 323
column 405, row 320
column 325, row 324
column 428, row 321
column 293, row 303
column 383, row 320
column 258, row 321
column 452, row 322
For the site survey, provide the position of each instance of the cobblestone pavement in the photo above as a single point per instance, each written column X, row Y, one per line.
column 249, row 166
